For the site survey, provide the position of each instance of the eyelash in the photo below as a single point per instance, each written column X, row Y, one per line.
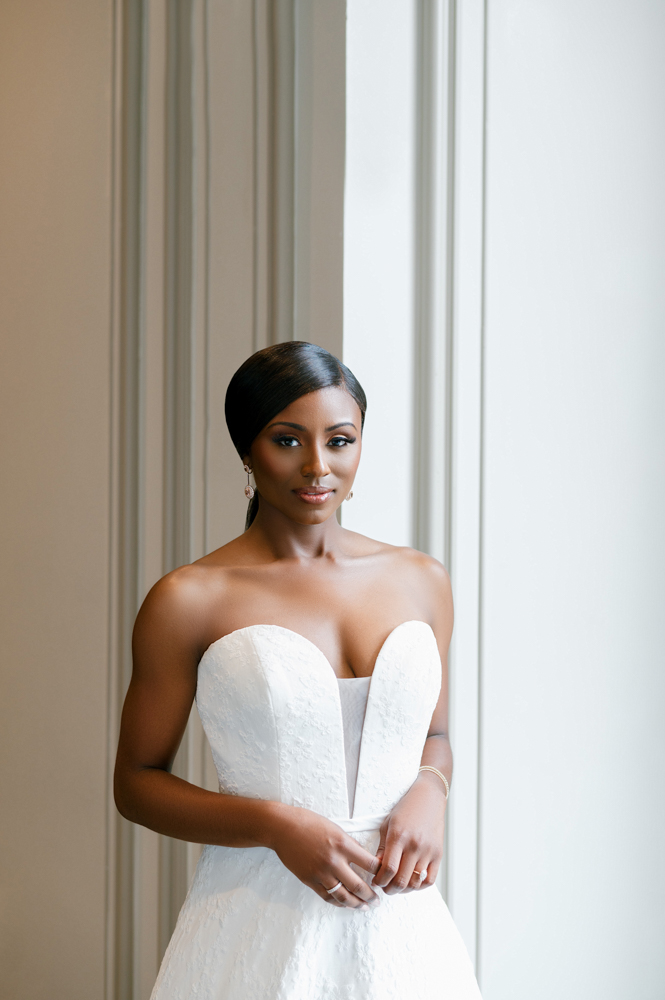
column 284, row 438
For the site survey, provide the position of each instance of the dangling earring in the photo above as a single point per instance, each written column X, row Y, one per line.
column 249, row 489
column 349, row 495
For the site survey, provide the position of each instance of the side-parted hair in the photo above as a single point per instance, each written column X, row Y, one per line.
column 271, row 380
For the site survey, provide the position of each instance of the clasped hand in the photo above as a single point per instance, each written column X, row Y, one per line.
column 320, row 853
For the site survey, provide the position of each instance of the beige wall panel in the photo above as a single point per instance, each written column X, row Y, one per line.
column 233, row 295
column 55, row 160
column 319, row 171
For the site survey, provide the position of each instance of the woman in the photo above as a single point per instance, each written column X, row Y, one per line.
column 318, row 879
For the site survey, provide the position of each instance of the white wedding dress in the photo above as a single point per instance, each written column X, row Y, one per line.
column 271, row 707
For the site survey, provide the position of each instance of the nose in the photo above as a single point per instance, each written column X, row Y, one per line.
column 316, row 465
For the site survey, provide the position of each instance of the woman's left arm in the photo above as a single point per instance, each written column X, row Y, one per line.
column 411, row 844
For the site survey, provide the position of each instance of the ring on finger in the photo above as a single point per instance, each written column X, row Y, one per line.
column 422, row 875
column 335, row 888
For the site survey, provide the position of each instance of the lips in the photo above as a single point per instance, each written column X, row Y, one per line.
column 315, row 495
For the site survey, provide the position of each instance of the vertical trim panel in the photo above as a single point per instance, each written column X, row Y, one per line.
column 113, row 691
column 466, row 492
column 197, row 747
column 433, row 279
column 282, row 112
column 232, row 249
column 179, row 280
column 319, row 158
column 178, row 372
column 433, row 265
column 380, row 267
column 263, row 64
column 160, row 421
column 126, row 479
column 151, row 435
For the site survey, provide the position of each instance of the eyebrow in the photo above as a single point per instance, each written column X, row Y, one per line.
column 299, row 427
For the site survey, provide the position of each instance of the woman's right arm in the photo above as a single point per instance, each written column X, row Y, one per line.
column 166, row 647
column 169, row 639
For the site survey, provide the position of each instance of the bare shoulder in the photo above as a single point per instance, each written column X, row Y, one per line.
column 178, row 609
column 418, row 562
column 189, row 591
column 401, row 557
column 427, row 576
column 427, row 584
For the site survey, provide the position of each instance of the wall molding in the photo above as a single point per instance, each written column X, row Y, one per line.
column 160, row 424
column 433, row 220
column 170, row 452
column 298, row 59
column 466, row 429
column 125, row 477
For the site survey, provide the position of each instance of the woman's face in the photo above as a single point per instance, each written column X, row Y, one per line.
column 304, row 462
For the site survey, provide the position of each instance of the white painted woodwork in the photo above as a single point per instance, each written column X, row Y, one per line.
column 466, row 459
column 572, row 743
column 379, row 254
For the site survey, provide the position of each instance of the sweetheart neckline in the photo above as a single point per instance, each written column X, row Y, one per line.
column 283, row 628
column 334, row 690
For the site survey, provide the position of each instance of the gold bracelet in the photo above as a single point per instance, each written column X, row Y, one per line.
column 426, row 767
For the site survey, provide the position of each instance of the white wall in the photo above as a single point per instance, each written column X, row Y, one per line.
column 572, row 821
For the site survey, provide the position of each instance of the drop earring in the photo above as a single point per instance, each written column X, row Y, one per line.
column 249, row 489
column 349, row 495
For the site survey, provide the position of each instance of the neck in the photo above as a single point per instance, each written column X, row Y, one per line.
column 286, row 539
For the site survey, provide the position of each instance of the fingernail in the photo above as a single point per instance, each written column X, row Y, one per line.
column 364, row 907
column 375, row 902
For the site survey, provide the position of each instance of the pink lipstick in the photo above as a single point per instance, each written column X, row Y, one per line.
column 315, row 495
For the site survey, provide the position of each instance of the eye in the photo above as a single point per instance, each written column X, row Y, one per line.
column 340, row 440
column 287, row 440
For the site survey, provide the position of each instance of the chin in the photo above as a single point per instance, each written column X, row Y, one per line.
column 313, row 516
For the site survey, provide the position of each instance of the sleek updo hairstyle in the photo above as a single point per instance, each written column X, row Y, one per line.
column 271, row 380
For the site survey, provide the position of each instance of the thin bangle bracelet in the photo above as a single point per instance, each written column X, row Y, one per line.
column 426, row 767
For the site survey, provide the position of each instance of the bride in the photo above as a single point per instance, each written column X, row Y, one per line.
column 317, row 658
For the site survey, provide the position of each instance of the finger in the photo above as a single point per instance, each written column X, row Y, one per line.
column 322, row 891
column 432, row 872
column 383, row 834
column 403, row 875
column 349, row 899
column 341, row 896
column 357, row 886
column 353, row 891
column 389, row 865
column 419, row 876
column 359, row 856
column 323, row 894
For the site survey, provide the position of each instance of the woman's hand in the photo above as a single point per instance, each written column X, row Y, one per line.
column 320, row 854
column 412, row 838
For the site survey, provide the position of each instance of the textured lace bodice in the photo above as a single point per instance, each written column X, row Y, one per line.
column 270, row 705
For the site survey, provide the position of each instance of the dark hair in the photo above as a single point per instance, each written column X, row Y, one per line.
column 271, row 380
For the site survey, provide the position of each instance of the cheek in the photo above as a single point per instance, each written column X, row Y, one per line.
column 349, row 456
column 345, row 460
column 276, row 463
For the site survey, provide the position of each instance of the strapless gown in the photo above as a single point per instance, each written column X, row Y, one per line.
column 271, row 707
